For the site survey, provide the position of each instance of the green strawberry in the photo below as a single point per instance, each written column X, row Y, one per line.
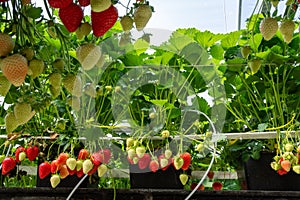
column 88, row 55
column 11, row 123
column 254, row 65
column 22, row 156
column 54, row 91
column 274, row 3
column 168, row 154
column 73, row 84
column 100, row 5
column 102, row 169
column 289, row 147
column 142, row 15
column 74, row 102
column 200, row 147
column 100, row 63
column 126, row 23
column 71, row 163
column 165, row 134
column 178, row 162
column 245, row 51
column 28, row 53
column 35, row 68
column 131, row 153
column 296, row 169
column 183, row 178
column 163, row 162
column 55, row 180
column 268, row 28
column 2, row 158
column 287, row 28
column 140, row 151
column 55, row 79
column 129, row 142
column 59, row 65
column 90, row 90
column 23, row 112
column 87, row 166
column 4, row 85
column 79, row 165
column 83, row 30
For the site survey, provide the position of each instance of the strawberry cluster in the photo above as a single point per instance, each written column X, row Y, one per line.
column 288, row 160
column 65, row 165
column 21, row 153
column 103, row 15
column 138, row 155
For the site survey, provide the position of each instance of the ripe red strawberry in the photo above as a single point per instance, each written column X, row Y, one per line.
column 217, row 186
column 17, row 153
column 286, row 165
column 186, row 156
column 268, row 28
column 63, row 172
column 6, row 43
column 84, row 3
column 96, row 158
column 210, row 175
column 62, row 158
column 32, row 152
column 8, row 164
column 193, row 185
column 54, row 166
column 59, row 3
column 103, row 21
column 281, row 172
column 143, row 162
column 142, row 15
column 80, row 173
column 83, row 154
column 106, row 155
column 154, row 166
column 287, row 28
column 71, row 16
column 14, row 68
column 72, row 172
column 44, row 170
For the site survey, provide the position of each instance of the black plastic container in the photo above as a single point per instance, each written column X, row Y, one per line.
column 260, row 176
column 146, row 179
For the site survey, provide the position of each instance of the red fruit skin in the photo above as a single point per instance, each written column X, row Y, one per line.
column 193, row 185
column 79, row 173
column 59, row 3
column 187, row 160
column 62, row 158
column 83, row 154
column 32, row 152
column 106, row 155
column 71, row 16
column 96, row 158
column 84, row 3
column 18, row 151
column 44, row 170
column 92, row 171
column 55, row 167
column 103, row 21
column 8, row 164
column 130, row 160
column 153, row 166
column 217, row 186
column 144, row 161
column 3, row 0
column 210, row 175
column 281, row 172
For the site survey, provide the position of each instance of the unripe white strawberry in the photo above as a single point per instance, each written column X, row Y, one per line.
column 183, row 178
column 126, row 23
column 142, row 15
column 287, row 28
column 140, row 151
column 102, row 169
column 87, row 166
column 268, row 28
column 54, row 180
column 71, row 163
column 88, row 55
column 168, row 154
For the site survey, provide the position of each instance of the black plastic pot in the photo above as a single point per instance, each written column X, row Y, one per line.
column 146, row 179
column 260, row 176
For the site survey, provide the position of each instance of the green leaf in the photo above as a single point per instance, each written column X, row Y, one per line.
column 207, row 38
column 140, row 46
column 262, row 127
column 231, row 39
column 217, row 52
column 255, row 41
column 159, row 102
column 34, row 12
